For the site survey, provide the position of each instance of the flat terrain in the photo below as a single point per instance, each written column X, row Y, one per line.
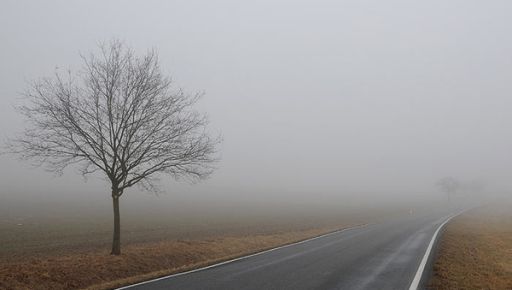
column 64, row 247
column 98, row 270
column 71, row 250
column 475, row 251
column 384, row 255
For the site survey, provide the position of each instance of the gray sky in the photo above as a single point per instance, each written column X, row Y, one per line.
column 313, row 98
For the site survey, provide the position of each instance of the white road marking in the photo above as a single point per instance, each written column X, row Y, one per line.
column 419, row 273
column 241, row 258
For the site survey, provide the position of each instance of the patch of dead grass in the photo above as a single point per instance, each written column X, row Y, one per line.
column 476, row 251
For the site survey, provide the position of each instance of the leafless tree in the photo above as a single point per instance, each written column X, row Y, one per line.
column 119, row 116
column 449, row 186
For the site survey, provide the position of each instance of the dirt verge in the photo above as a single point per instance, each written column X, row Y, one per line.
column 475, row 251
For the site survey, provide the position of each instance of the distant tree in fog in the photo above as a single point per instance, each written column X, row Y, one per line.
column 449, row 186
column 118, row 116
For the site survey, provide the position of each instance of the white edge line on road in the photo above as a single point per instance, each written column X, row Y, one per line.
column 419, row 273
column 243, row 257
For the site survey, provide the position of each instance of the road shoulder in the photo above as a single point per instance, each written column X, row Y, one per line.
column 475, row 251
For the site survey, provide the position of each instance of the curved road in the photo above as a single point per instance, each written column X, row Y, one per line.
column 378, row 256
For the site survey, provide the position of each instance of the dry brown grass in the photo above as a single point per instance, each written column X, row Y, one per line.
column 476, row 251
column 98, row 270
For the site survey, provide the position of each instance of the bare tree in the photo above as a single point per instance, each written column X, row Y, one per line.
column 118, row 116
column 449, row 186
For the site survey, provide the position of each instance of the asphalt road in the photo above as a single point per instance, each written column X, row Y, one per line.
column 379, row 256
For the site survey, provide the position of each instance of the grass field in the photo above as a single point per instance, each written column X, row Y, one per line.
column 476, row 251
column 51, row 245
column 98, row 270
column 71, row 250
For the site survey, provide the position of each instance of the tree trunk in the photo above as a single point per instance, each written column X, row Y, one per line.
column 116, row 242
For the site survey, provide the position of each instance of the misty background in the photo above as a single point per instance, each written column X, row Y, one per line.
column 321, row 104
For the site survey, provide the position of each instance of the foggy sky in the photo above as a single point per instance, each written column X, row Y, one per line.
column 313, row 98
